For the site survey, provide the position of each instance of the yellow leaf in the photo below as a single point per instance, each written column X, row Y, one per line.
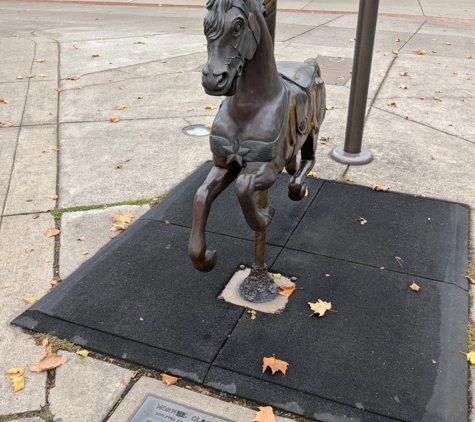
column 312, row 174
column 274, row 365
column 208, row 107
column 306, row 192
column 82, row 353
column 48, row 361
column 42, row 75
column 4, row 101
column 30, row 299
column 97, row 55
column 380, row 188
column 168, row 379
column 276, row 275
column 47, row 260
column 17, row 377
column 286, row 290
column 125, row 217
column 329, row 107
column 414, row 287
column 82, row 238
column 121, row 88
column 7, row 285
column 470, row 357
column 320, row 307
column 265, row 414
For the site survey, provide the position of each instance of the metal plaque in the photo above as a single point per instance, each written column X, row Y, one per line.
column 156, row 409
column 335, row 70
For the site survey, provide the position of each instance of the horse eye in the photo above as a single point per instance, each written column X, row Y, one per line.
column 237, row 27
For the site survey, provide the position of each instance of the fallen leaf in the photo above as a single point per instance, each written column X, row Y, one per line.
column 436, row 98
column 76, row 47
column 140, row 42
column 163, row 61
column 117, row 227
column 97, row 55
column 403, row 86
column 140, row 97
column 58, row 89
column 350, row 180
column 47, row 260
column 17, row 377
column 468, row 57
column 470, row 279
column 74, row 78
column 274, row 365
column 45, row 342
column 253, row 313
column 83, row 353
column 287, row 290
column 121, row 88
column 362, row 220
column 320, row 307
column 276, row 275
column 114, row 119
column 352, row 40
column 53, row 196
column 7, row 285
column 209, row 107
column 48, row 361
column 433, row 158
column 169, row 379
column 30, row 299
column 405, row 73
column 52, row 232
column 324, row 139
column 55, row 149
column 399, row 260
column 125, row 217
column 4, row 101
column 122, row 382
column 54, row 282
column 19, row 77
column 29, row 250
column 167, row 222
column 470, row 357
column 414, row 287
column 82, row 238
column 329, row 107
column 42, row 75
column 31, row 76
column 306, row 192
column 85, row 252
column 120, row 107
column 419, row 52
column 380, row 188
column 265, row 414
column 397, row 40
column 5, row 124
column 408, row 118
column 189, row 109
column 392, row 103
column 39, row 60
column 312, row 174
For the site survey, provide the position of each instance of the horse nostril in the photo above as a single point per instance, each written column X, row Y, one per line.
column 223, row 80
column 205, row 71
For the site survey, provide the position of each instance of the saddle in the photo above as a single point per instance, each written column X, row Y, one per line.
column 301, row 77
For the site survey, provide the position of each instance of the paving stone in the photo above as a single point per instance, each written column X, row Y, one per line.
column 408, row 145
column 159, row 155
column 28, row 275
column 14, row 64
column 33, row 177
column 95, row 226
column 204, row 403
column 460, row 9
column 42, row 103
column 7, row 154
column 15, row 92
column 97, row 387
column 46, row 49
column 446, row 47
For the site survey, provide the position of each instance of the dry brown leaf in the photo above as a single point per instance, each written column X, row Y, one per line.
column 85, row 252
column 82, row 238
column 17, row 377
column 125, row 217
column 163, row 61
column 30, row 299
column 52, row 232
column 274, row 365
column 414, row 287
column 320, row 307
column 189, row 109
column 39, row 60
column 5, row 124
column 253, row 313
column 76, row 47
column 117, row 227
column 470, row 279
column 403, row 86
column 57, row 89
column 287, row 289
column 419, row 52
column 405, row 73
column 380, row 188
column 121, row 88
column 324, row 139
column 265, row 414
column 167, row 222
column 362, row 221
column 399, row 260
column 169, row 379
column 114, row 119
column 120, row 107
column 45, row 342
column 35, row 216
column 436, row 98
column 55, row 149
column 54, row 197
column 350, row 180
column 29, row 250
column 74, row 78
column 54, row 282
column 47, row 260
column 48, row 361
column 392, row 103
column 4, row 101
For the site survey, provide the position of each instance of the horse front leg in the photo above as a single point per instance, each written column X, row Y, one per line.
column 256, row 218
column 297, row 186
column 217, row 180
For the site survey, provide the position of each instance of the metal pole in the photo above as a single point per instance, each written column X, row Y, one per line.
column 353, row 153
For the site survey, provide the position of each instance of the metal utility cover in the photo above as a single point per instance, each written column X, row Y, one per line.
column 335, row 70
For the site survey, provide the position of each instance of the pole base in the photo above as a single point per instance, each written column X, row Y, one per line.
column 358, row 159
column 258, row 286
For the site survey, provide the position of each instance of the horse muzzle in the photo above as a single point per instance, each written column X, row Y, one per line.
column 218, row 83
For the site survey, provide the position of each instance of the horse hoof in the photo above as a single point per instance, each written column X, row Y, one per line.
column 296, row 193
column 207, row 263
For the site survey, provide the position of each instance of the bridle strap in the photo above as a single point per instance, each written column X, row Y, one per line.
column 243, row 7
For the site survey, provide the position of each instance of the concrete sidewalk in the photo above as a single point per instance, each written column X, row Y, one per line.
column 62, row 142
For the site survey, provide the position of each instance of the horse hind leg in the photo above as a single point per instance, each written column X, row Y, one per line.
column 297, row 185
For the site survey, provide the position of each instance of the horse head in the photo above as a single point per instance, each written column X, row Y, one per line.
column 233, row 33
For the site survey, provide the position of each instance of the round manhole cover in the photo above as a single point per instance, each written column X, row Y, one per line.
column 196, row 130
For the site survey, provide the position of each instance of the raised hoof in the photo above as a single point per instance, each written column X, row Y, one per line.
column 296, row 193
column 207, row 263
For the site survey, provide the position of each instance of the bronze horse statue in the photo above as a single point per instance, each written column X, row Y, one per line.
column 270, row 113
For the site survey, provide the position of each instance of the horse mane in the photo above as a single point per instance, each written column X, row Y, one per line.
column 214, row 19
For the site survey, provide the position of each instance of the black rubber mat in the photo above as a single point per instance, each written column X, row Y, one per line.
column 388, row 353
